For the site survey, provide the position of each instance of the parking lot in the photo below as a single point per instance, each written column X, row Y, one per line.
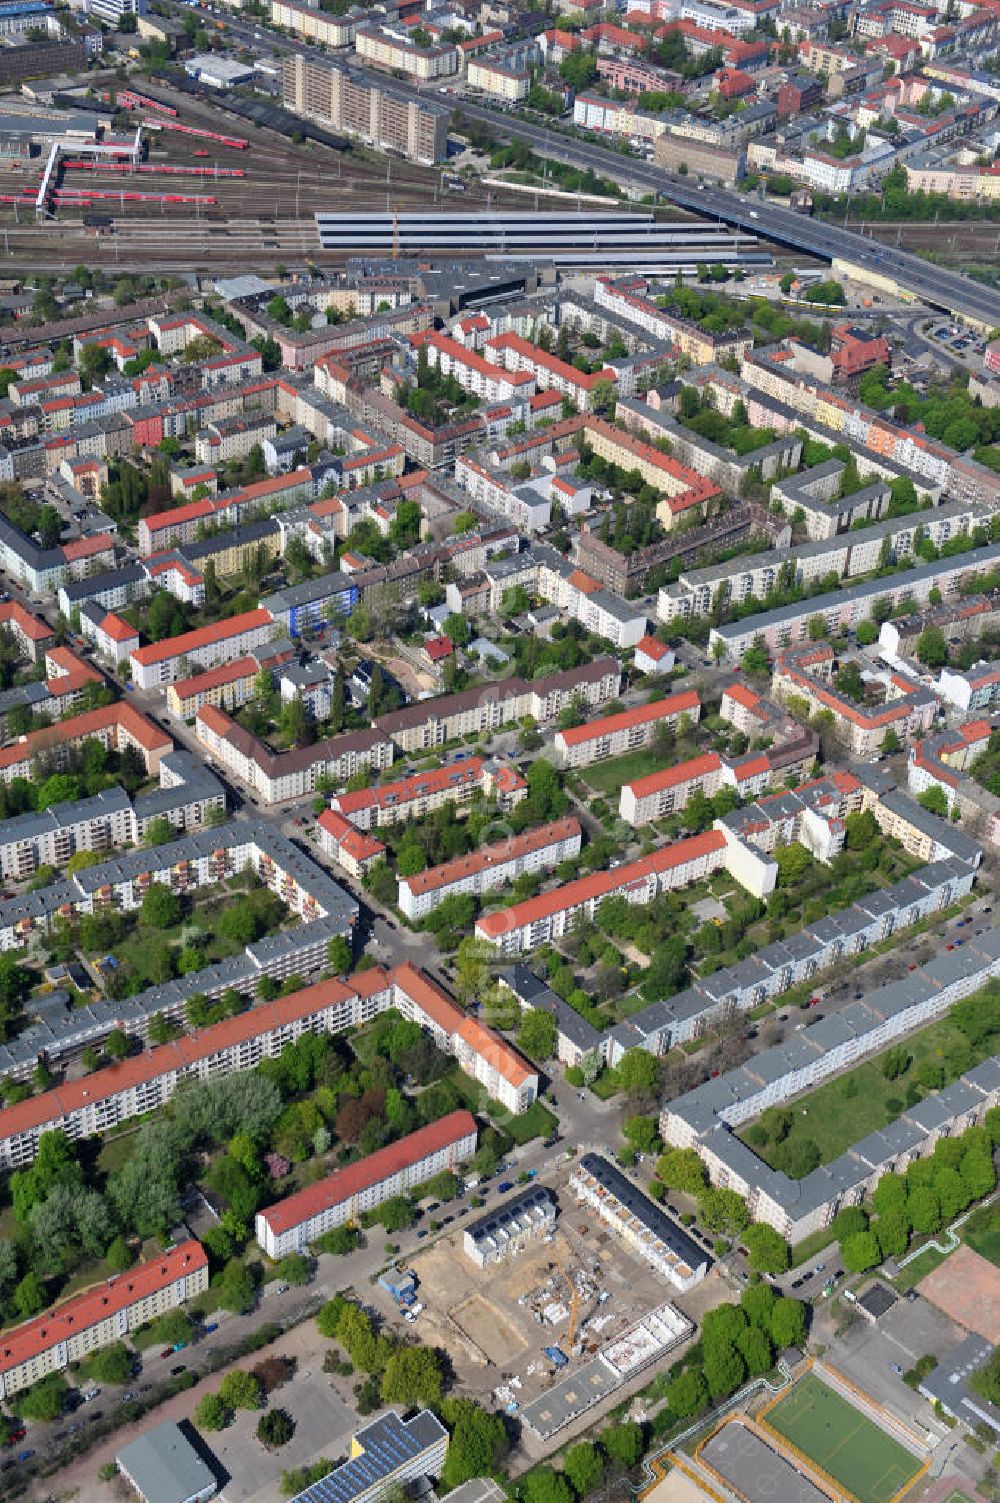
column 866, row 1353
column 323, row 1427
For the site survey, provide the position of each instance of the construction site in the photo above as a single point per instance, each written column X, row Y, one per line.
column 560, row 1322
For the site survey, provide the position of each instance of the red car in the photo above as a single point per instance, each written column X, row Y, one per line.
column 168, row 1351
column 14, row 1437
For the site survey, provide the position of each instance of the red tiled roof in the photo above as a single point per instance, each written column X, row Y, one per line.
column 492, row 855
column 455, row 775
column 585, row 889
column 439, row 1007
column 674, row 704
column 14, row 614
column 118, row 630
column 87, row 547
column 652, row 647
column 344, row 1184
column 672, row 777
column 99, row 1304
column 220, row 631
column 226, row 673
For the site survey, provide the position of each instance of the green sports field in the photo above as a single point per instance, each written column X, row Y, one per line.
column 851, row 1449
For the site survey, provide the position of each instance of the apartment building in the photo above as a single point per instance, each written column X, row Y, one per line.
column 117, row 726
column 684, row 491
column 345, row 1195
column 504, row 1231
column 227, row 687
column 314, row 24
column 482, row 1054
column 487, row 380
column 844, row 609
column 625, row 296
column 374, row 111
column 614, row 735
column 892, row 702
column 433, row 722
column 74, row 1330
column 277, row 776
column 500, row 77
column 973, row 691
column 31, row 634
column 161, row 663
column 943, row 761
column 413, row 797
column 849, row 554
column 353, row 849
column 111, row 637
column 392, row 50
column 645, row 1228
column 921, row 833
column 796, row 1208
column 549, row 373
column 108, row 1097
column 539, row 920
column 490, row 867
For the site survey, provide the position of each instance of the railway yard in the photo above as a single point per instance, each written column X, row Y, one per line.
column 224, row 204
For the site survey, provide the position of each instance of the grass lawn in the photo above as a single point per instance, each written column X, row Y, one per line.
column 843, row 1110
column 536, row 1122
column 982, row 1233
column 116, row 1152
column 608, row 777
column 866, row 1462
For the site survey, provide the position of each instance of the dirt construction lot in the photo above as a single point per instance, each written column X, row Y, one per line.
column 967, row 1288
column 495, row 1321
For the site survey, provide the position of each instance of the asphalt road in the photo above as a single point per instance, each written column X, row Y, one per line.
column 942, row 289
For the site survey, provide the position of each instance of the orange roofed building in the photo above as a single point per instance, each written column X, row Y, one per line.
column 101, row 1316
column 614, row 735
column 540, row 920
column 293, row 1223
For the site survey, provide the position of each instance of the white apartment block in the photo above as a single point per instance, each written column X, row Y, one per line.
column 291, row 1224
column 162, row 662
column 597, row 740
column 111, row 1310
column 490, row 867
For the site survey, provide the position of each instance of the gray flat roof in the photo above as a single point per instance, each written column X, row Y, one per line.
column 164, row 1466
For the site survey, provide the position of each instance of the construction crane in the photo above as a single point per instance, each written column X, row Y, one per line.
column 574, row 1303
column 574, row 1318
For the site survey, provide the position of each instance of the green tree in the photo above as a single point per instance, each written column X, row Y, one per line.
column 623, row 1443
column 934, row 800
column 161, row 908
column 688, row 1394
column 240, row 1390
column 788, row 1323
column 113, row 1364
column 681, row 1169
column 211, row 1413
column 412, row 1376
column 44, row 1401
column 584, row 1467
column 478, row 1445
column 338, row 955
column 275, row 1428
column 769, row 1252
column 536, row 1036
column 932, row 649
column 860, row 1252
